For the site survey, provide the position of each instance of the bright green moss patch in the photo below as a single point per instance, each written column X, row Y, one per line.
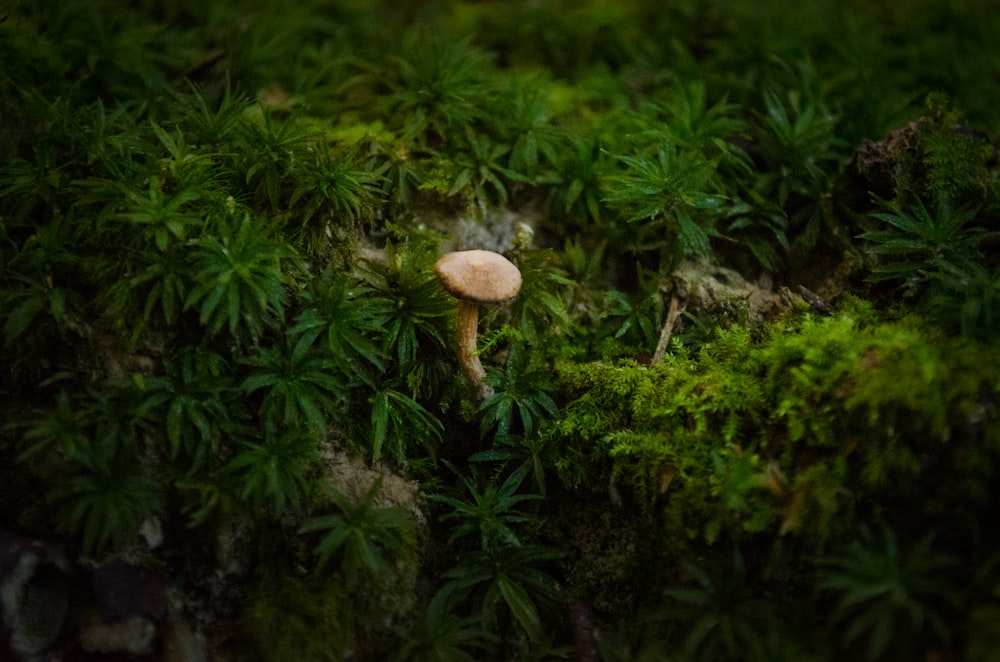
column 877, row 402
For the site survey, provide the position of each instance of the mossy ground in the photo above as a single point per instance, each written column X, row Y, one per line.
column 217, row 226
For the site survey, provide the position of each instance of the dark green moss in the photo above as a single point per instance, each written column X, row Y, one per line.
column 217, row 226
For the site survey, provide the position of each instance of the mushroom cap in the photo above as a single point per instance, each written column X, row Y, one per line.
column 478, row 275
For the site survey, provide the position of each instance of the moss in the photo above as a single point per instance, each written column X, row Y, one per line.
column 746, row 433
column 229, row 204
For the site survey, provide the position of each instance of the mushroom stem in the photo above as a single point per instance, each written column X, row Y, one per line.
column 467, row 326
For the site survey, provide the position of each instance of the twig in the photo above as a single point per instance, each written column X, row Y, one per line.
column 668, row 328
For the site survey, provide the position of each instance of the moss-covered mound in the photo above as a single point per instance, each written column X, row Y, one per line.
column 746, row 404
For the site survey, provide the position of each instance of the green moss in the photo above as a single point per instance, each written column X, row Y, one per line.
column 730, row 435
column 294, row 618
column 217, row 226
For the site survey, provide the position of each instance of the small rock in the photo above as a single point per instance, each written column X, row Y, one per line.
column 132, row 635
column 34, row 598
column 180, row 644
column 152, row 532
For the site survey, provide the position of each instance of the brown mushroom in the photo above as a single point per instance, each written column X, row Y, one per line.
column 475, row 277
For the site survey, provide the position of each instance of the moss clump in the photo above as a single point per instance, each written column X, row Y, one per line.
column 738, row 431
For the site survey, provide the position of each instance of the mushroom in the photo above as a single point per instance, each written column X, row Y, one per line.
column 475, row 277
